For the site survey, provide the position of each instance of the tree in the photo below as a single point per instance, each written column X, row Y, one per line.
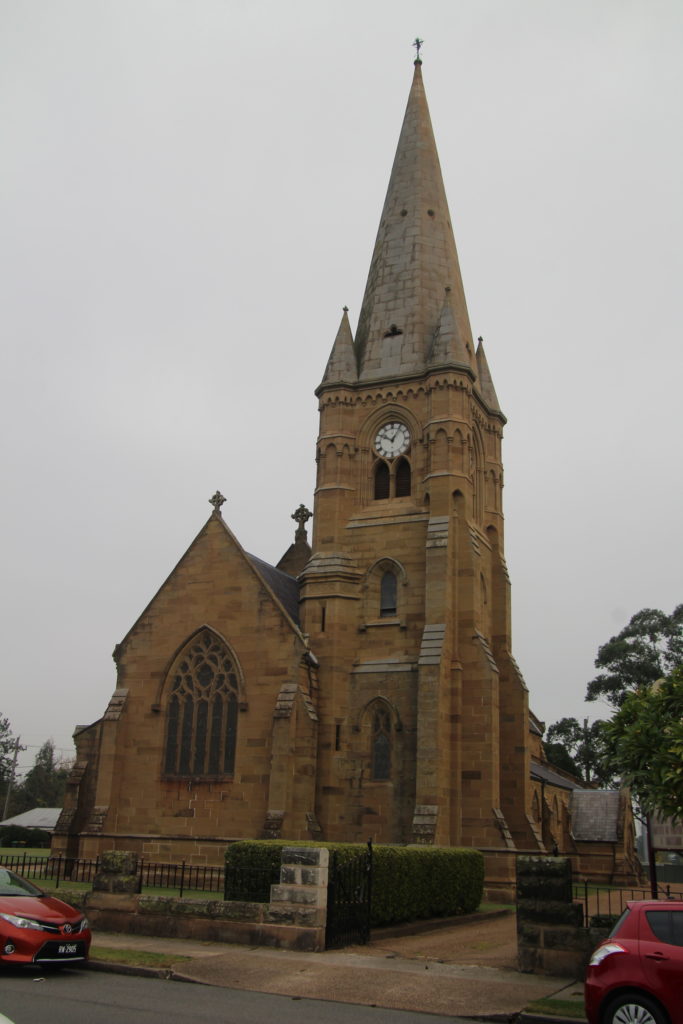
column 645, row 740
column 7, row 743
column 648, row 648
column 579, row 749
column 44, row 783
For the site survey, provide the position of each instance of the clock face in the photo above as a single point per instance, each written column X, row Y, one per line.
column 392, row 439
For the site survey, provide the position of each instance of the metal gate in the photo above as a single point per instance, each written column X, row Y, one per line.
column 348, row 900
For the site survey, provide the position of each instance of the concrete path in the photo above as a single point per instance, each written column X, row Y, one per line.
column 464, row 970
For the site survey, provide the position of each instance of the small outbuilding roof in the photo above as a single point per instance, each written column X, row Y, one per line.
column 39, row 817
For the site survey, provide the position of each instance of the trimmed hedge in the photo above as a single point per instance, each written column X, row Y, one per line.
column 408, row 882
column 20, row 836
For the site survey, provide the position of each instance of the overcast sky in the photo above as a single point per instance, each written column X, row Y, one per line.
column 189, row 194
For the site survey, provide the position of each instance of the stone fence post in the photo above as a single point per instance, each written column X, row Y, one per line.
column 551, row 938
column 300, row 900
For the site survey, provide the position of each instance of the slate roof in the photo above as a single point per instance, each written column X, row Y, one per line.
column 595, row 815
column 285, row 587
column 544, row 773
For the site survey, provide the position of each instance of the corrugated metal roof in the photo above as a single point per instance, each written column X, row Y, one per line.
column 39, row 817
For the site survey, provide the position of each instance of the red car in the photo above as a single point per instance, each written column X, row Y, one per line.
column 36, row 928
column 636, row 975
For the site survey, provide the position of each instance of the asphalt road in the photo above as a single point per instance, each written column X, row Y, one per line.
column 85, row 997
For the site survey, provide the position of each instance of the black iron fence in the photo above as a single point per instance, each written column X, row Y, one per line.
column 249, row 884
column 60, row 869
column 604, row 902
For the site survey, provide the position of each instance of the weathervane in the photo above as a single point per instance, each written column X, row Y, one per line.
column 418, row 46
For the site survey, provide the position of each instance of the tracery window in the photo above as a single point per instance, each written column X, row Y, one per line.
column 201, row 717
column 381, row 744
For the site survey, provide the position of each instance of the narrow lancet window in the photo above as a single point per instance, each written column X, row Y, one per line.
column 387, row 594
column 381, row 481
column 402, row 478
column 381, row 745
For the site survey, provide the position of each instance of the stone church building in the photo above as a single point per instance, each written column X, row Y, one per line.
column 365, row 686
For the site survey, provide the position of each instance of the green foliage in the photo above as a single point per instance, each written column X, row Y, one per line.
column 414, row 882
column 646, row 744
column 44, row 783
column 7, row 743
column 409, row 882
column 26, row 837
column 582, row 747
column 648, row 648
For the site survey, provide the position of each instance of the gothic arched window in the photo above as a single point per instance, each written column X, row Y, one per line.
column 381, row 744
column 388, row 594
column 402, row 479
column 381, row 481
column 201, row 716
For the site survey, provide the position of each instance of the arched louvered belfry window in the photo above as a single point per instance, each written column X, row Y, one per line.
column 388, row 592
column 201, row 715
column 381, row 744
column 381, row 481
column 402, row 479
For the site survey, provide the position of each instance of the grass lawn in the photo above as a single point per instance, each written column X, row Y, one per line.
column 19, row 851
column 135, row 957
column 572, row 1008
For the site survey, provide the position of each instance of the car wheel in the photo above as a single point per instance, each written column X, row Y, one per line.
column 634, row 1008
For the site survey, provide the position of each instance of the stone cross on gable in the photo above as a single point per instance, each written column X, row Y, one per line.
column 217, row 500
column 301, row 516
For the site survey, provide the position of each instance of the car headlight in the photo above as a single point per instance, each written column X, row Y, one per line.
column 83, row 925
column 22, row 922
column 602, row 952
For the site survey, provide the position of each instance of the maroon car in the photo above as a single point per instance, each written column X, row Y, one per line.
column 36, row 928
column 636, row 975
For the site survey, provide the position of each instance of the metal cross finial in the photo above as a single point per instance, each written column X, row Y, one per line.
column 217, row 501
column 301, row 516
column 418, row 46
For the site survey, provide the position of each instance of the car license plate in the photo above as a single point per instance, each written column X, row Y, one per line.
column 66, row 948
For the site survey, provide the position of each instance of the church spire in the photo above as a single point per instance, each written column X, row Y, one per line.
column 414, row 258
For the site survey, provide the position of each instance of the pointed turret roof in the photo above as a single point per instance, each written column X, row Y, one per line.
column 448, row 346
column 485, row 381
column 341, row 366
column 414, row 259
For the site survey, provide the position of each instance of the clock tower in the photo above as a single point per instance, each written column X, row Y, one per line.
column 423, row 714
